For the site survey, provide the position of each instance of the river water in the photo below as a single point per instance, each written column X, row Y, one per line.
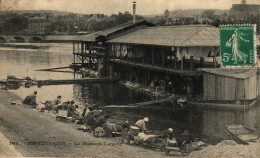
column 22, row 62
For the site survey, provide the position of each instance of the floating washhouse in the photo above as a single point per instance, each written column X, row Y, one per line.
column 164, row 56
column 168, row 54
column 89, row 50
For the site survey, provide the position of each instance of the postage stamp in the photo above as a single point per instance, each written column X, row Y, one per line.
column 237, row 45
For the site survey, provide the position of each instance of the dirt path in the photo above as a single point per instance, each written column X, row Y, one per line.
column 34, row 134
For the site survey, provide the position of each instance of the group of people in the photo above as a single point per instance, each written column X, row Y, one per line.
column 54, row 105
column 98, row 122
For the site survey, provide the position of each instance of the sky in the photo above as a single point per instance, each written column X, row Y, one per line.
column 108, row 7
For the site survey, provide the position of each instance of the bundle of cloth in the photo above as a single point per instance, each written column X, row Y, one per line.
column 115, row 126
column 142, row 137
column 99, row 132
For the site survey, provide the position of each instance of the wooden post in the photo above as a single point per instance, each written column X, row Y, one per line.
column 175, row 62
column 152, row 56
column 163, row 62
column 82, row 46
column 145, row 79
column 142, row 56
column 120, row 49
column 179, row 51
column 78, row 47
column 90, row 61
column 130, row 75
column 215, row 58
column 114, row 52
column 85, row 47
column 127, row 58
column 191, row 63
column 135, row 54
column 73, row 53
column 82, row 51
column 111, row 72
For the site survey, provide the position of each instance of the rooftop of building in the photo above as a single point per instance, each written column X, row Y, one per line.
column 242, row 73
column 108, row 32
column 182, row 36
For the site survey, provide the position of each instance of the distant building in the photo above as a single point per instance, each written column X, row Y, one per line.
column 37, row 25
column 244, row 11
column 96, row 18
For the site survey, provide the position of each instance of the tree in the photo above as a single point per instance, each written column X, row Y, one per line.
column 18, row 23
column 166, row 13
column 210, row 14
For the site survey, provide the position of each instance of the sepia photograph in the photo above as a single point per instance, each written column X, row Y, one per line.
column 130, row 78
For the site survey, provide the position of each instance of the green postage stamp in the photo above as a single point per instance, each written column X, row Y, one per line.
column 238, row 45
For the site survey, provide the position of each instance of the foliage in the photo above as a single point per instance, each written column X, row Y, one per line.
column 16, row 24
column 118, row 19
column 210, row 14
column 166, row 13
column 89, row 23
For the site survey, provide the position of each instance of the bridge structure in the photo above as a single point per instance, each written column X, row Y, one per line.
column 21, row 38
column 39, row 38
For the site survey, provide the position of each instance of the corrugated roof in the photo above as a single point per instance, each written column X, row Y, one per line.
column 233, row 73
column 188, row 35
column 92, row 36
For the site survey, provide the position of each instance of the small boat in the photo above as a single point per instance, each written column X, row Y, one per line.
column 11, row 83
column 242, row 135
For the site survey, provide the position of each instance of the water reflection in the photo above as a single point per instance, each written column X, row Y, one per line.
column 24, row 62
column 107, row 94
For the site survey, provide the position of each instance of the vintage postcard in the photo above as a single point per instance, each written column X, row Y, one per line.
column 125, row 78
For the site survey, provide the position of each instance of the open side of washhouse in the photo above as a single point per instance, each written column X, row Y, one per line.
column 168, row 56
column 89, row 50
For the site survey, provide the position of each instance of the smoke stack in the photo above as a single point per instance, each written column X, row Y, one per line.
column 134, row 8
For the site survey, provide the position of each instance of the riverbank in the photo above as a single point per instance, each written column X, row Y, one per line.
column 26, row 127
column 38, row 135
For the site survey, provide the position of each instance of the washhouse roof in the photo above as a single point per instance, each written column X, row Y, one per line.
column 182, row 36
column 110, row 31
column 242, row 73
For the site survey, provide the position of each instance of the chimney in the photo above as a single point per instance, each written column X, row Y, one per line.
column 134, row 8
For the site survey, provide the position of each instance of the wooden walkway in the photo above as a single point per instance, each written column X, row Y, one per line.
column 137, row 105
column 72, row 81
column 156, row 67
column 57, row 69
